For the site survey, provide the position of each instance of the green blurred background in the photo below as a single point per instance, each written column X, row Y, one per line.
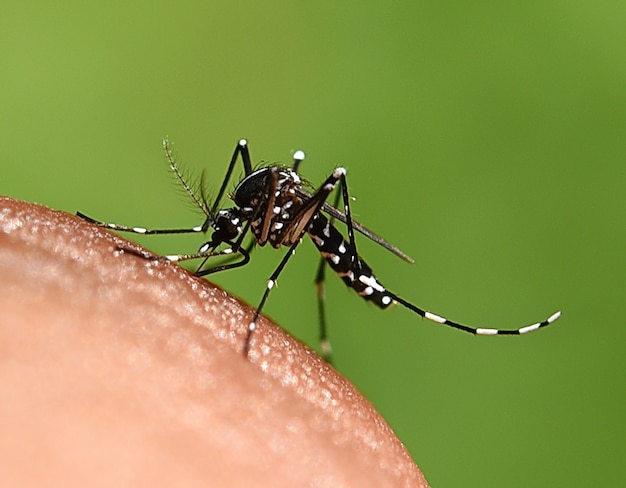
column 486, row 140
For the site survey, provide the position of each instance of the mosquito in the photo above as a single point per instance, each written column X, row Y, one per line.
column 277, row 207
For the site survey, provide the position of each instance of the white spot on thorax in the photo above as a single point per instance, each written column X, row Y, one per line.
column 295, row 177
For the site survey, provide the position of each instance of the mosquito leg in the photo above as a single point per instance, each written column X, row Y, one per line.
column 234, row 249
column 473, row 330
column 320, row 288
column 270, row 284
column 240, row 149
column 141, row 230
column 226, row 264
column 349, row 224
column 177, row 258
column 243, row 252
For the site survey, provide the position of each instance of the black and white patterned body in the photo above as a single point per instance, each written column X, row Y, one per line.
column 268, row 198
column 272, row 204
column 351, row 268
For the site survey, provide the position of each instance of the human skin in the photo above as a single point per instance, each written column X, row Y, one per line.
column 118, row 370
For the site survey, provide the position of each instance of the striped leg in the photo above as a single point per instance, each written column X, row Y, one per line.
column 320, row 279
column 143, row 230
column 208, row 251
column 343, row 258
column 474, row 330
column 241, row 149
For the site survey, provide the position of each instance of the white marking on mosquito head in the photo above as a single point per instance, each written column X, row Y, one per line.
column 487, row 331
column 140, row 230
column 197, row 229
column 299, row 155
column 270, row 284
column 529, row 328
column 242, row 142
column 339, row 172
column 553, row 317
column 435, row 318
column 341, row 248
column 371, row 281
column 386, row 300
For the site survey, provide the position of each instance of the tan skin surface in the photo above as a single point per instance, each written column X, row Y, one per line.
column 121, row 371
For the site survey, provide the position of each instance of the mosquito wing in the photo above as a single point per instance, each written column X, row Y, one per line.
column 333, row 212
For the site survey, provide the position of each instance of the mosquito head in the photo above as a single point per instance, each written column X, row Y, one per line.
column 227, row 226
